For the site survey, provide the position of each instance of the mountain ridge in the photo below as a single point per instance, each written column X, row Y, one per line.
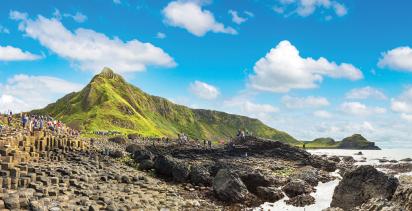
column 108, row 102
column 356, row 141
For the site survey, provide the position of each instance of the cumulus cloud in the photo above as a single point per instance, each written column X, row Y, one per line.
column 236, row 18
column 365, row 93
column 90, row 50
column 249, row 108
column 10, row 53
column 190, row 16
column 304, row 102
column 283, row 69
column 398, row 59
column 24, row 92
column 78, row 17
column 403, row 104
column 359, row 109
column 204, row 90
column 306, row 8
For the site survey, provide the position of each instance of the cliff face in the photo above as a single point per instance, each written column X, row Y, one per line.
column 108, row 102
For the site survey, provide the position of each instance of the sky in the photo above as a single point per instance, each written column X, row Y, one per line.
column 312, row 68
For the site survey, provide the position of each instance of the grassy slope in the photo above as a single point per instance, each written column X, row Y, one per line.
column 355, row 141
column 110, row 103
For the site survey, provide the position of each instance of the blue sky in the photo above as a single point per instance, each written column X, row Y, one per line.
column 310, row 67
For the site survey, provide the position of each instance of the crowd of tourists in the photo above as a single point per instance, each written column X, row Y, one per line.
column 31, row 123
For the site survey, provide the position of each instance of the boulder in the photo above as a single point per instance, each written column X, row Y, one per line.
column 321, row 163
column 254, row 180
column 146, row 165
column 308, row 174
column 334, row 158
column 301, row 200
column 199, row 175
column 141, row 153
column 361, row 185
column 116, row 153
column 228, row 187
column 297, row 187
column 269, row 194
column 171, row 167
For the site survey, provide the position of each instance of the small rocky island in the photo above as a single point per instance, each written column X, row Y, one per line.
column 356, row 141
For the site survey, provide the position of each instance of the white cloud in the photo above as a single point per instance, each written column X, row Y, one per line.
column 4, row 30
column 407, row 117
column 236, row 18
column 78, row 17
column 403, row 103
column 248, row 108
column 90, row 50
column 24, row 92
column 359, row 109
column 204, row 90
column 10, row 53
column 365, row 93
column 161, row 35
column 398, row 59
column 283, row 69
column 322, row 114
column 306, row 8
column 304, row 102
column 190, row 16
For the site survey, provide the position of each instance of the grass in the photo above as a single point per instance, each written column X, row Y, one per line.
column 108, row 102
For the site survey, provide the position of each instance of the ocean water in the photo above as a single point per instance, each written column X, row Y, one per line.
column 324, row 191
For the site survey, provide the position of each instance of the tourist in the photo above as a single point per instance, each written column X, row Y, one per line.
column 210, row 144
column 24, row 120
column 10, row 118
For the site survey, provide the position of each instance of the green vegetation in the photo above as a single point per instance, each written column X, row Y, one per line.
column 108, row 102
column 355, row 141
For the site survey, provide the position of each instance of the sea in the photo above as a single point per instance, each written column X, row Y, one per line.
column 324, row 191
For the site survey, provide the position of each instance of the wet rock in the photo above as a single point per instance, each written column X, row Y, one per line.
column 228, row 187
column 199, row 175
column 254, row 180
column 140, row 153
column 398, row 168
column 181, row 171
column 297, row 187
column 308, row 174
column 321, row 163
column 406, row 160
column 348, row 159
column 361, row 185
column 269, row 194
column 301, row 200
column 334, row 158
column 359, row 153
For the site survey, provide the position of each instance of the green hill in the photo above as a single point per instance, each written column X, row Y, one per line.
column 355, row 141
column 108, row 102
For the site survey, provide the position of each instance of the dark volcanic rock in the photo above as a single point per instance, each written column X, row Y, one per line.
column 229, row 187
column 199, row 175
column 133, row 136
column 301, row 200
column 269, row 194
column 322, row 163
column 254, row 180
column 309, row 175
column 334, row 158
column 118, row 140
column 171, row 167
column 297, row 187
column 140, row 153
column 146, row 165
column 361, row 185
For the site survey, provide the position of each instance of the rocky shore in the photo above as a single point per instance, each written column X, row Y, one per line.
column 47, row 171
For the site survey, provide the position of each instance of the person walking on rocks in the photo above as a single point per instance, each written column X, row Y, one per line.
column 24, row 120
column 10, row 118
